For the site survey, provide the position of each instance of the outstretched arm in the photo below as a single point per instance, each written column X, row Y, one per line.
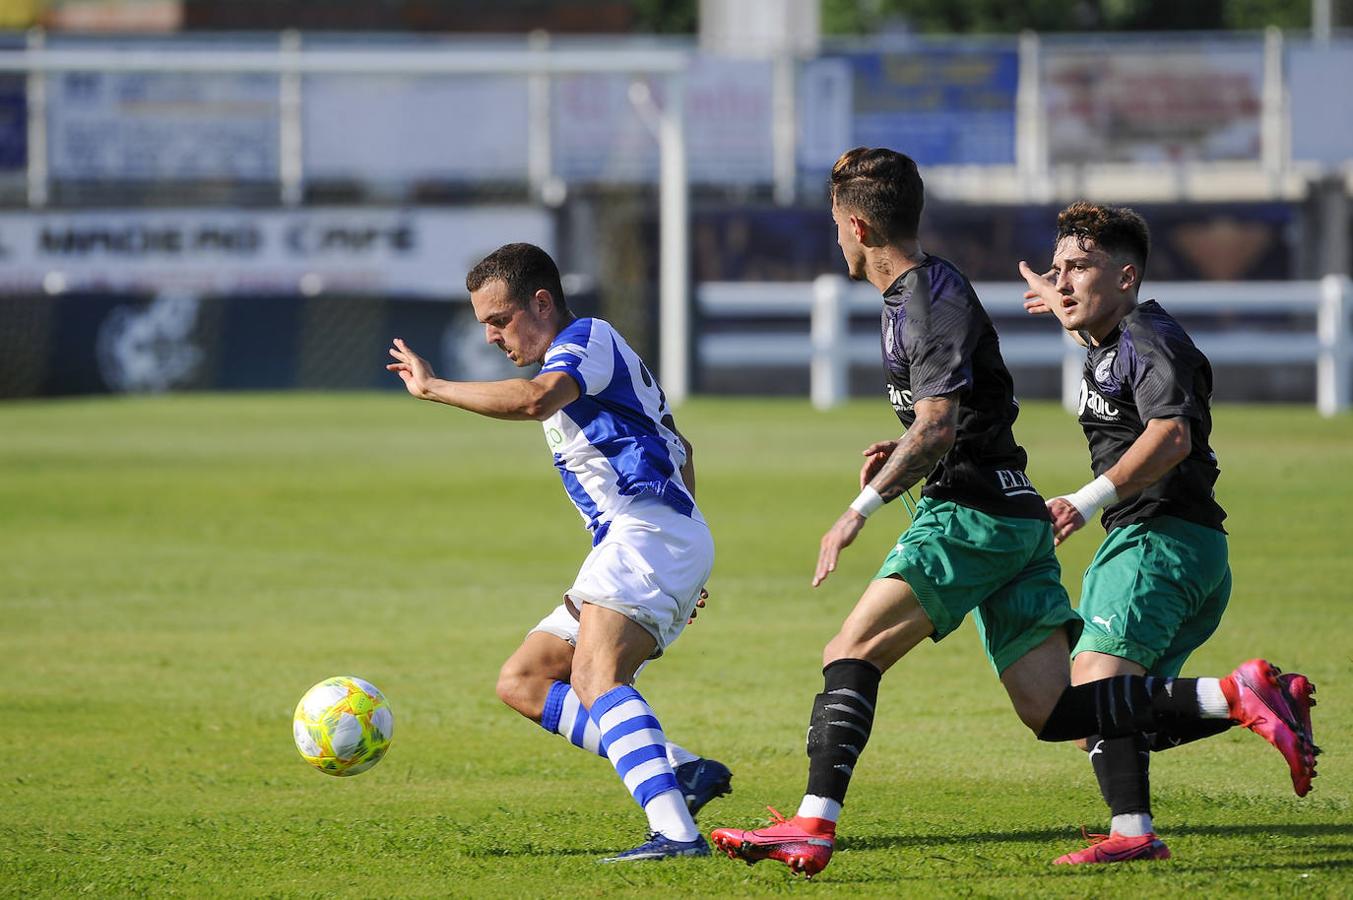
column 913, row 456
column 1163, row 445
column 1042, row 296
column 514, row 398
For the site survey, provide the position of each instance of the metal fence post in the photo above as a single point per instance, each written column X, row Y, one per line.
column 1275, row 130
column 36, row 88
column 1031, row 149
column 830, row 337
column 291, row 124
column 1334, row 365
column 540, row 151
column 784, row 125
column 674, row 300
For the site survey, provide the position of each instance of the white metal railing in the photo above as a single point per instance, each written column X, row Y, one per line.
column 829, row 348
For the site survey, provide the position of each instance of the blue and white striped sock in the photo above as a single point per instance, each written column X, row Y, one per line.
column 565, row 715
column 634, row 743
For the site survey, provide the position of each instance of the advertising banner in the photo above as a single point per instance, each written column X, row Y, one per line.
column 113, row 343
column 413, row 252
column 1172, row 101
column 13, row 116
column 410, row 129
column 598, row 135
column 941, row 105
column 1318, row 80
column 144, row 126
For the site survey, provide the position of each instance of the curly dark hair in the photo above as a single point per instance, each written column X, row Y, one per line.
column 883, row 186
column 1116, row 230
column 524, row 268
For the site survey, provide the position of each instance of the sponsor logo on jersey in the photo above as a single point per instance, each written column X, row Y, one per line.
column 1095, row 402
column 901, row 400
column 1014, row 481
column 1104, row 368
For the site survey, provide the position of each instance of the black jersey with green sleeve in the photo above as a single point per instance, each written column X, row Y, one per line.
column 1149, row 368
column 937, row 339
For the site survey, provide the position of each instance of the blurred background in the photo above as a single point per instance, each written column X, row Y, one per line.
column 258, row 194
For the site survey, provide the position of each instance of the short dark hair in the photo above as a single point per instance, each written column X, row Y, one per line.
column 1116, row 230
column 524, row 268
column 884, row 186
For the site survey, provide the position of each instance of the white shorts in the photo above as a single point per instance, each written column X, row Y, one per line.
column 650, row 568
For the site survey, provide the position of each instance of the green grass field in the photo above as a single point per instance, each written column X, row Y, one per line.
column 177, row 571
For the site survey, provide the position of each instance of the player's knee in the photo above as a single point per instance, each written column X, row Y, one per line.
column 519, row 690
column 1033, row 710
column 844, row 646
column 1034, row 720
column 877, row 652
column 1084, row 744
column 592, row 679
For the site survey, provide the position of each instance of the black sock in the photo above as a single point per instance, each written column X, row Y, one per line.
column 843, row 716
column 1120, row 706
column 1175, row 731
column 1122, row 767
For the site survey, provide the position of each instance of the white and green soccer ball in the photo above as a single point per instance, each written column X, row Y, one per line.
column 343, row 725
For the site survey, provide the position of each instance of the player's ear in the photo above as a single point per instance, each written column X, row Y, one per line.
column 860, row 228
column 544, row 302
column 1129, row 277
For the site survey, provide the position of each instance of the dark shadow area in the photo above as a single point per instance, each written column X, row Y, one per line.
column 892, row 841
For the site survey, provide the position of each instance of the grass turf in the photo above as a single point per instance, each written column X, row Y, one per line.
column 177, row 571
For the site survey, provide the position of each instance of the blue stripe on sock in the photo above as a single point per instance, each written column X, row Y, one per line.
column 636, row 757
column 579, row 725
column 629, row 726
column 554, row 707
column 654, row 787
column 611, row 699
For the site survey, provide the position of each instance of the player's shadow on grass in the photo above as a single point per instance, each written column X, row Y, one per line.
column 504, row 852
column 967, row 847
column 894, row 841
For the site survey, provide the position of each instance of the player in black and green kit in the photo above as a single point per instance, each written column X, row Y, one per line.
column 1159, row 583
column 980, row 542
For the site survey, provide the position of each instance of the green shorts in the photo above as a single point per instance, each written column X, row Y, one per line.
column 1154, row 592
column 1002, row 569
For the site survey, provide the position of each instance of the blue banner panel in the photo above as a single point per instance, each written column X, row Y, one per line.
column 13, row 115
column 940, row 106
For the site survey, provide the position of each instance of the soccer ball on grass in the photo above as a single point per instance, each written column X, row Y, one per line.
column 343, row 725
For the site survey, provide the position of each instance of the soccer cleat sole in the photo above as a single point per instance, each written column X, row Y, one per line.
column 1296, row 691
column 803, row 857
column 1301, row 695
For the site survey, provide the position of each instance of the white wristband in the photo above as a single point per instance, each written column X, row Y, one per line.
column 1093, row 497
column 868, row 501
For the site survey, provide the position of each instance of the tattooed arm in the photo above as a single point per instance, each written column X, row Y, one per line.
column 917, row 451
column 913, row 456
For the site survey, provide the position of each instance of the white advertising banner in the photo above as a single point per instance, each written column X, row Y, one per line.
column 407, row 129
column 1168, row 101
column 1319, row 77
column 143, row 126
column 200, row 251
column 598, row 135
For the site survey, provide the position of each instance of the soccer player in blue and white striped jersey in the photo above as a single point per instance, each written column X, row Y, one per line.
column 631, row 476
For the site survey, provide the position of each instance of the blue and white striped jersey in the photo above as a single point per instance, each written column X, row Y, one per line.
column 616, row 441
